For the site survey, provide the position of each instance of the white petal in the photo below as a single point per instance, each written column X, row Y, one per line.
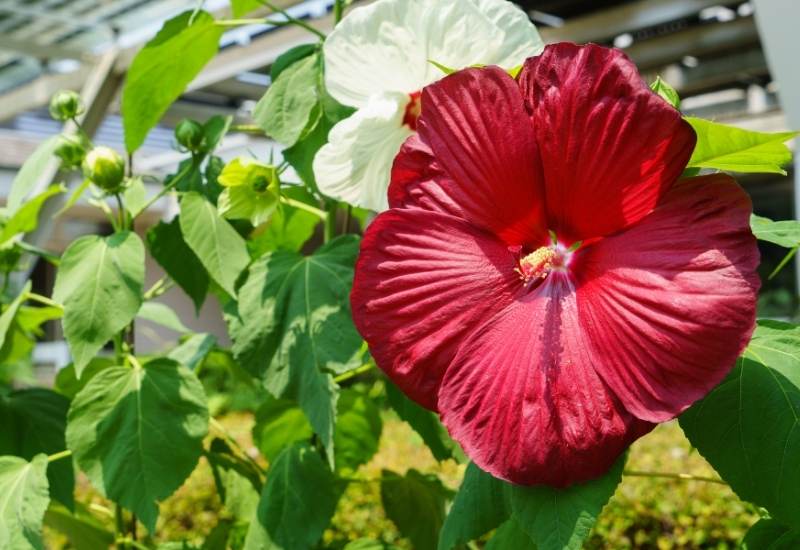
column 385, row 46
column 356, row 163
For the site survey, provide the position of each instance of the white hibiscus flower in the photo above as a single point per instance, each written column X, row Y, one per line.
column 377, row 60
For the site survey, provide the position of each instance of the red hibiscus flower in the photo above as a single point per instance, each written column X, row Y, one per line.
column 542, row 279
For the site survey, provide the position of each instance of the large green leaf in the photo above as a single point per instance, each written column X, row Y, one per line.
column 415, row 503
column 99, row 282
column 34, row 421
column 424, row 422
column 358, row 430
column 10, row 312
column 293, row 327
column 297, row 503
column 30, row 173
column 23, row 501
column 162, row 69
column 747, row 427
column 558, row 519
column 161, row 314
column 738, row 150
column 166, row 244
column 480, row 506
column 279, row 423
column 510, row 536
column 137, row 433
column 26, row 217
column 768, row 534
column 290, row 57
column 284, row 111
column 289, row 228
column 219, row 247
column 83, row 530
column 193, row 350
column 785, row 233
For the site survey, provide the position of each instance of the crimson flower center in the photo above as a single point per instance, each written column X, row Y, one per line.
column 413, row 110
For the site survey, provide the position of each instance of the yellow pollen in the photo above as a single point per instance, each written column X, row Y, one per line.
column 537, row 264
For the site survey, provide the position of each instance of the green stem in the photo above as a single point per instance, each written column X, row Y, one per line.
column 159, row 287
column 249, row 128
column 41, row 252
column 307, row 207
column 214, row 423
column 59, row 455
column 294, row 20
column 273, row 22
column 120, row 527
column 44, row 300
column 167, row 188
column 671, row 475
column 123, row 216
column 338, row 11
column 354, row 372
column 330, row 223
column 783, row 263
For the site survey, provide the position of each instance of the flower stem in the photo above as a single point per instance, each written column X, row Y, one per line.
column 249, row 128
column 303, row 206
column 44, row 300
column 671, row 475
column 59, row 455
column 293, row 20
column 330, row 223
column 354, row 372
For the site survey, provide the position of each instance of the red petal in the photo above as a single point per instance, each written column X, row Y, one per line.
column 670, row 303
column 609, row 146
column 523, row 398
column 423, row 281
column 475, row 126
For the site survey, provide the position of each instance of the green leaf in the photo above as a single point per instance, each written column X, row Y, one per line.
column 289, row 228
column 26, row 217
column 33, row 422
column 480, row 506
column 30, row 173
column 99, row 282
column 193, row 350
column 279, row 423
column 166, row 245
column 10, row 312
column 23, row 501
column 162, row 69
column 214, row 130
column 135, row 196
column 285, row 109
column 238, row 482
column 424, row 422
column 297, row 503
column 294, row 327
column 666, row 92
column 369, row 544
column 510, row 536
column 768, row 534
column 747, row 426
column 358, row 430
column 137, row 433
column 68, row 384
column 82, row 529
column 74, row 197
column 785, row 233
column 737, row 150
column 162, row 314
column 557, row 519
column 219, row 247
column 290, row 57
column 415, row 503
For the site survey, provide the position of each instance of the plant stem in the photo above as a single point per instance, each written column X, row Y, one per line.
column 338, row 11
column 330, row 223
column 303, row 206
column 354, row 372
column 671, row 475
column 214, row 423
column 249, row 128
column 291, row 19
column 41, row 252
column 44, row 300
column 123, row 216
column 783, row 263
column 120, row 527
column 59, row 455
column 159, row 287
column 167, row 188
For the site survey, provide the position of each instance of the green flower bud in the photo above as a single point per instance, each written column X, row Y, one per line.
column 189, row 134
column 105, row 168
column 65, row 105
column 71, row 150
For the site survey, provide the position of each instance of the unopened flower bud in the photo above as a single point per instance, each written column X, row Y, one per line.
column 71, row 150
column 189, row 134
column 105, row 168
column 65, row 105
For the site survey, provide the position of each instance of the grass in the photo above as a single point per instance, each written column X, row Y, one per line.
column 645, row 512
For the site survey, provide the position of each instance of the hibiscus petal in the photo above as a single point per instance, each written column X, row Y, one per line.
column 524, row 401
column 609, row 146
column 423, row 281
column 355, row 165
column 475, row 125
column 669, row 303
column 386, row 46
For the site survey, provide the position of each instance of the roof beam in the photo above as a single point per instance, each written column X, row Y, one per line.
column 39, row 51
